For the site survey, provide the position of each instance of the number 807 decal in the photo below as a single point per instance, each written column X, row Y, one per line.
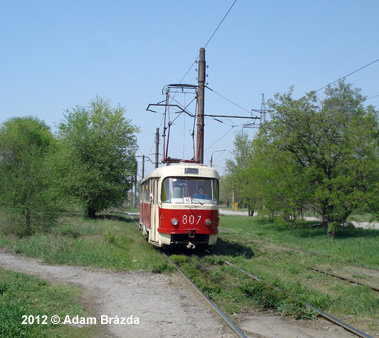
column 191, row 219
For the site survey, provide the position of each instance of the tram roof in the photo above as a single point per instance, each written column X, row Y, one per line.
column 183, row 169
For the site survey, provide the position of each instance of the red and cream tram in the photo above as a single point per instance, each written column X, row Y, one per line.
column 179, row 205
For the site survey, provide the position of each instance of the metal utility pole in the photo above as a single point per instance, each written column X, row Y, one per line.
column 135, row 189
column 216, row 151
column 143, row 166
column 156, row 147
column 200, row 101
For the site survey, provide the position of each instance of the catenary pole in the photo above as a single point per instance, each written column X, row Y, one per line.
column 200, row 100
column 143, row 166
column 156, row 147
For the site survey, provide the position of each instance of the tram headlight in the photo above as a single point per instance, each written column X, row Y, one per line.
column 174, row 222
column 208, row 222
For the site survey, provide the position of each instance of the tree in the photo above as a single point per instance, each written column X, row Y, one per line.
column 25, row 184
column 319, row 154
column 237, row 171
column 226, row 189
column 100, row 145
column 333, row 145
column 278, row 184
column 264, row 178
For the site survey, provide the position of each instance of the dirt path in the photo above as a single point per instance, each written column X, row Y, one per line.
column 166, row 306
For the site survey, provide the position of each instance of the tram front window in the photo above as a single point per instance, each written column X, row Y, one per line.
column 190, row 190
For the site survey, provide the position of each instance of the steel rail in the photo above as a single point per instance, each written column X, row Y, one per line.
column 233, row 326
column 352, row 280
column 300, row 250
column 320, row 312
column 336, row 275
column 236, row 330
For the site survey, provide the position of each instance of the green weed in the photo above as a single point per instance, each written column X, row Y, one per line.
column 109, row 242
column 26, row 295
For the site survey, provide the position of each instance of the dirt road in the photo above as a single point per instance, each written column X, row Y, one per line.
column 166, row 306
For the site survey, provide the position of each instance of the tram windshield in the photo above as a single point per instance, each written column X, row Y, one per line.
column 190, row 190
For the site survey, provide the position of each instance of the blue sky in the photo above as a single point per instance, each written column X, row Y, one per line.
column 56, row 55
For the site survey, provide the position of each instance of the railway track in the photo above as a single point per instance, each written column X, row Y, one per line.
column 351, row 280
column 321, row 313
column 230, row 323
column 303, row 251
column 323, row 271
column 339, row 276
column 234, row 327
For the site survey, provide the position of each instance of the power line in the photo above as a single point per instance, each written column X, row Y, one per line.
column 369, row 64
column 189, row 69
column 237, row 105
column 225, row 98
column 220, row 138
column 220, row 23
column 372, row 97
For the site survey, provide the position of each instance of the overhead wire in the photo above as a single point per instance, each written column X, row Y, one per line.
column 225, row 98
column 207, row 43
column 220, row 138
column 209, row 40
column 220, row 23
column 351, row 73
column 244, row 109
column 151, row 149
column 222, row 156
column 237, row 105
column 372, row 97
column 355, row 71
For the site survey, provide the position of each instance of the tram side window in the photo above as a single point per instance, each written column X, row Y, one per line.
column 145, row 192
column 165, row 194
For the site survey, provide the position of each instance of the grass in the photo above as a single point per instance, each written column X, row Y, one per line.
column 271, row 251
column 359, row 246
column 113, row 241
column 26, row 295
column 131, row 208
column 235, row 292
column 361, row 216
column 281, row 254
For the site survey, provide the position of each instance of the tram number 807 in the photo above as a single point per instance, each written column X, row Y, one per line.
column 191, row 219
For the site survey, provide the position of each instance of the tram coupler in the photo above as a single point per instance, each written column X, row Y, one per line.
column 191, row 245
column 192, row 233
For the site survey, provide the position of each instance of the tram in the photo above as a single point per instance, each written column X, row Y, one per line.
column 179, row 205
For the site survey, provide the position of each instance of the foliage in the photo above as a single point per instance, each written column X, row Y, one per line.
column 225, row 190
column 269, row 297
column 22, row 295
column 26, row 194
column 98, row 147
column 278, row 186
column 237, row 172
column 319, row 154
column 235, row 292
column 283, row 257
column 110, row 241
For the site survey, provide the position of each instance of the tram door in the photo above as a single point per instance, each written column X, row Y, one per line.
column 154, row 210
